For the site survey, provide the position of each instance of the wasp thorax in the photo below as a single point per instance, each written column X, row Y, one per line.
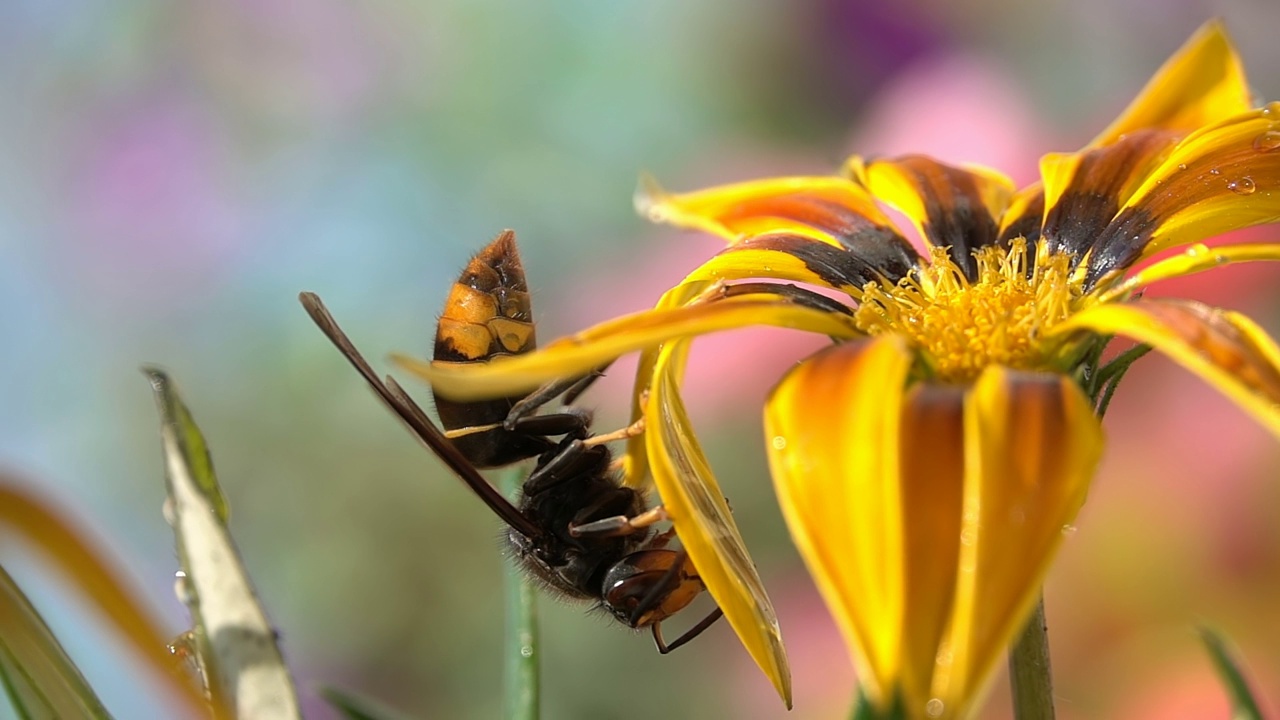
column 963, row 325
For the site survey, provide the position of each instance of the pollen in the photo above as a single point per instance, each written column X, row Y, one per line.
column 961, row 326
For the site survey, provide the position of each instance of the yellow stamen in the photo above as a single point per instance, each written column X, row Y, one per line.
column 961, row 326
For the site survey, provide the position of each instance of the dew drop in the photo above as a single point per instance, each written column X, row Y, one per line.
column 966, row 537
column 1068, row 530
column 526, row 651
column 1215, row 171
column 934, row 708
column 1196, row 250
column 779, row 442
column 1272, row 108
column 1243, row 186
column 182, row 588
column 1268, row 141
column 1182, row 166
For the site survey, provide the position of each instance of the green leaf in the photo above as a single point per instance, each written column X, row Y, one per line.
column 236, row 646
column 1243, row 704
column 864, row 709
column 189, row 441
column 39, row 677
column 358, row 707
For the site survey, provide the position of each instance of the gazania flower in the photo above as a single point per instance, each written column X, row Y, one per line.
column 928, row 461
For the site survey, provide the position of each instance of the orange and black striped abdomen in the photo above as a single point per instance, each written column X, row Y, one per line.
column 488, row 314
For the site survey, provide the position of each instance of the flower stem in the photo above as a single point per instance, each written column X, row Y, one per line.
column 521, row 671
column 1030, row 674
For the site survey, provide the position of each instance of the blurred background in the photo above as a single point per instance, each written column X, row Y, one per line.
column 175, row 173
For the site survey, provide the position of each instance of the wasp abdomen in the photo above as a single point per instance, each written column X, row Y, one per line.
column 488, row 314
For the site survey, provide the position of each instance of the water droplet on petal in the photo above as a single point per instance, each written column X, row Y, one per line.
column 1196, row 250
column 1243, row 186
column 1215, row 171
column 1268, row 141
column 1182, row 166
column 1272, row 108
column 1068, row 529
column 779, row 442
column 934, row 708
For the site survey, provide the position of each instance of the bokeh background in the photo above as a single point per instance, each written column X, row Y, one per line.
column 175, row 173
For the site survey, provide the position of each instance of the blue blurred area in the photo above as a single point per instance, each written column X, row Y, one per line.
column 176, row 173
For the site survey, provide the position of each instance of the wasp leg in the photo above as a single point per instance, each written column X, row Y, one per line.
column 568, row 421
column 571, row 459
column 625, row 433
column 570, row 388
column 621, row 524
column 689, row 634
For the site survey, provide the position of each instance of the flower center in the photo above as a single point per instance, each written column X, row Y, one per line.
column 962, row 326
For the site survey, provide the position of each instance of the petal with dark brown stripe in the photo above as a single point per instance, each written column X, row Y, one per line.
column 1221, row 178
column 796, row 258
column 832, row 210
column 952, row 207
column 1085, row 190
column 1226, row 349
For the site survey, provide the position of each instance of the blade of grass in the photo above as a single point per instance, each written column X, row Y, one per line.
column 245, row 670
column 38, row 675
column 1243, row 704
column 521, row 671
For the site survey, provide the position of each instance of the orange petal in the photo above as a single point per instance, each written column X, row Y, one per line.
column 1031, row 446
column 932, row 476
column 1202, row 83
column 952, row 207
column 832, row 430
column 1226, row 349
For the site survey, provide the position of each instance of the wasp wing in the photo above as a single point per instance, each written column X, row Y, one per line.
column 399, row 402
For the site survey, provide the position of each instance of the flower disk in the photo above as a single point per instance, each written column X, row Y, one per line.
column 962, row 326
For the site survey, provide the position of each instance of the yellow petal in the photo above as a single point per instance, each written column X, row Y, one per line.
column 1031, row 446
column 831, row 429
column 831, row 210
column 1226, row 349
column 1024, row 215
column 1221, row 178
column 1195, row 259
column 702, row 519
column 1202, row 83
column 596, row 346
column 952, row 207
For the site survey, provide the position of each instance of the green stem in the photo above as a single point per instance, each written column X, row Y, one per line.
column 1030, row 673
column 521, row 671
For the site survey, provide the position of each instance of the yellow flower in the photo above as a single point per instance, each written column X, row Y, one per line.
column 929, row 460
